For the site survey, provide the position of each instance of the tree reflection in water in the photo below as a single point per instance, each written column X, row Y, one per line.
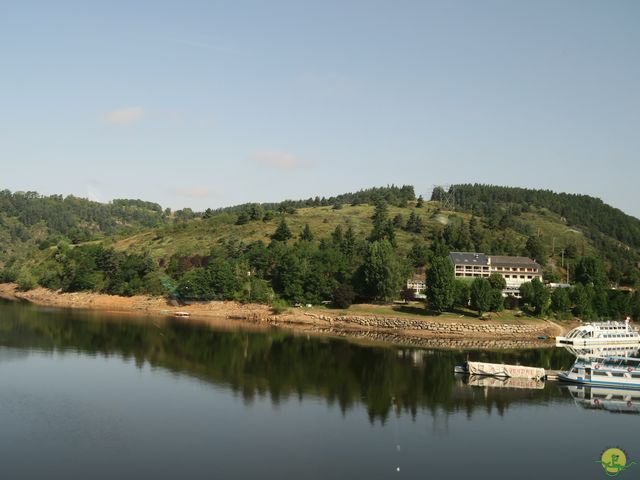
column 281, row 365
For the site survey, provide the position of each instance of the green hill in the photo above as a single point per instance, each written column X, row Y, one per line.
column 131, row 246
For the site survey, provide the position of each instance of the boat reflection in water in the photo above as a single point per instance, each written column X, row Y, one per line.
column 604, row 351
column 614, row 400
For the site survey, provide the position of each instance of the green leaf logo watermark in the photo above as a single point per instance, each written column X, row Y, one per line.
column 614, row 461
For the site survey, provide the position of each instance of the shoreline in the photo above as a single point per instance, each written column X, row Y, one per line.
column 418, row 331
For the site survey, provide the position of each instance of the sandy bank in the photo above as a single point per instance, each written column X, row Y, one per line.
column 415, row 330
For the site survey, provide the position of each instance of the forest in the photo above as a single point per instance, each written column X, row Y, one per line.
column 71, row 244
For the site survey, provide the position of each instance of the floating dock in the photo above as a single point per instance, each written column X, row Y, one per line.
column 552, row 374
column 500, row 370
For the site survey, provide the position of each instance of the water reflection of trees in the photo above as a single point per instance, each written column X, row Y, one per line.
column 279, row 365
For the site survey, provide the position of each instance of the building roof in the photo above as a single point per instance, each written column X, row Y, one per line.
column 506, row 261
column 468, row 258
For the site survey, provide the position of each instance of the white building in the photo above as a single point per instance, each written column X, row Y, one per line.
column 417, row 283
column 514, row 270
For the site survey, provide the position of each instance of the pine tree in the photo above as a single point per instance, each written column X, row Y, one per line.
column 336, row 236
column 282, row 233
column 349, row 243
column 419, row 254
column 536, row 250
column 382, row 226
column 306, row 234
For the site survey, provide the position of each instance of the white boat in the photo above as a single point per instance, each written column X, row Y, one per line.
column 601, row 333
column 614, row 400
column 500, row 370
column 618, row 372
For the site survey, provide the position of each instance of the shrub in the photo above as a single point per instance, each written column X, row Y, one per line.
column 343, row 296
column 8, row 275
column 279, row 306
column 26, row 281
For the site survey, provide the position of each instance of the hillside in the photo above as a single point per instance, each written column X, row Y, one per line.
column 612, row 234
column 306, row 250
column 30, row 221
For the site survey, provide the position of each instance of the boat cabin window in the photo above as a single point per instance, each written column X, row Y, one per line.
column 574, row 370
column 635, row 375
column 617, row 374
column 599, row 373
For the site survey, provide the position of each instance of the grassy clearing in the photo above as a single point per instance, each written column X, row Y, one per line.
column 417, row 311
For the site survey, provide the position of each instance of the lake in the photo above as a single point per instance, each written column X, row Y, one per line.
column 102, row 396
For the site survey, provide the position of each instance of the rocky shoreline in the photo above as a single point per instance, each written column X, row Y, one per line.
column 427, row 332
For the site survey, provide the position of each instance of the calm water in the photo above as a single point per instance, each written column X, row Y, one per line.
column 90, row 396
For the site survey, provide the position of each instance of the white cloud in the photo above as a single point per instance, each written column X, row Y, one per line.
column 193, row 192
column 277, row 160
column 124, row 116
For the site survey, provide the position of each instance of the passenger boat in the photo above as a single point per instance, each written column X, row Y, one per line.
column 181, row 314
column 601, row 333
column 619, row 372
column 614, row 400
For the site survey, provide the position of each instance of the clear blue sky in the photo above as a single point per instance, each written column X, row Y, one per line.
column 213, row 103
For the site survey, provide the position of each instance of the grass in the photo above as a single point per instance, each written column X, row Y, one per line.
column 200, row 235
column 553, row 230
column 417, row 311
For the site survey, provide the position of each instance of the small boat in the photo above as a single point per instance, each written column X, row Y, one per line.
column 601, row 333
column 500, row 370
column 618, row 372
column 181, row 314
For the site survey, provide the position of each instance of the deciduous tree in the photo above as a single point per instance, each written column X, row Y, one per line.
column 440, row 285
column 382, row 272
